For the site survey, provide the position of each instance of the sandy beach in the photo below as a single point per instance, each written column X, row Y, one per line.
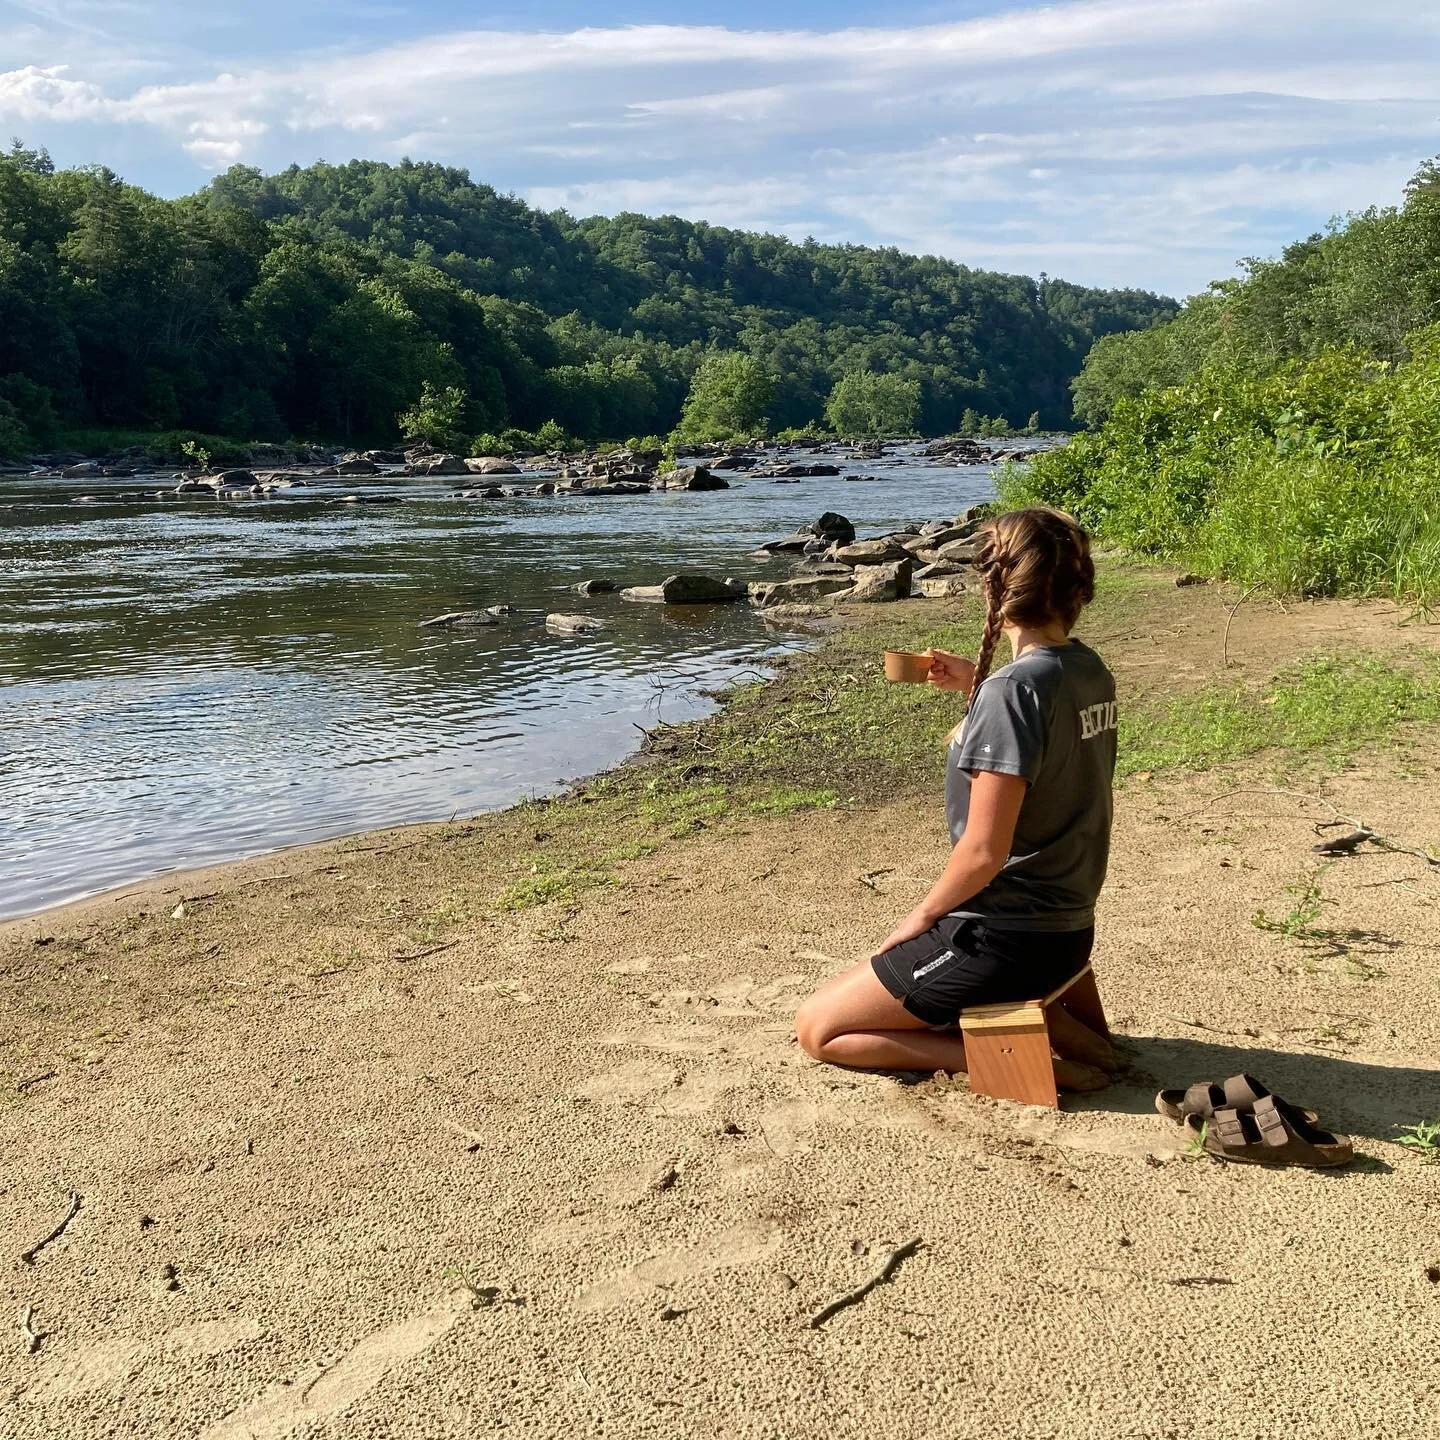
column 500, row 1125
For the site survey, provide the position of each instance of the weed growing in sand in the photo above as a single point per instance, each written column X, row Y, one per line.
column 1196, row 1150
column 1299, row 923
column 1423, row 1138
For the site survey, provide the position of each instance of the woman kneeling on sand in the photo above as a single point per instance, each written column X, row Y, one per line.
column 1028, row 800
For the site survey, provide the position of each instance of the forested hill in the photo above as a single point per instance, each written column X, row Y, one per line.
column 323, row 301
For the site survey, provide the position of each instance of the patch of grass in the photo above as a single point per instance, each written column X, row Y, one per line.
column 787, row 800
column 545, row 887
column 1328, row 704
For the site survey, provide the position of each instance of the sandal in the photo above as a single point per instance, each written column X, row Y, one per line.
column 1269, row 1135
column 1240, row 1092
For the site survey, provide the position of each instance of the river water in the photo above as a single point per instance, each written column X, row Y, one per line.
column 188, row 682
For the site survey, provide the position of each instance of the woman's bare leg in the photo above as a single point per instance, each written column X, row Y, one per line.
column 854, row 1020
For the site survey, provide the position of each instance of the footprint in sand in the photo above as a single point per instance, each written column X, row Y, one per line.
column 575, row 1231
column 112, row 1364
column 631, row 1082
column 786, row 1128
column 672, row 1039
column 283, row 1409
column 742, row 1245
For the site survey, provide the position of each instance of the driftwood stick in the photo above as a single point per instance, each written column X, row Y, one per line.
column 886, row 1274
column 27, row 1257
column 1234, row 610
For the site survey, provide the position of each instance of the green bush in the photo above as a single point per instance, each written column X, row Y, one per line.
column 1320, row 479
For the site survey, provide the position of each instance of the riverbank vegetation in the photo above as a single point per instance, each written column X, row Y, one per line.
column 1284, row 430
column 322, row 301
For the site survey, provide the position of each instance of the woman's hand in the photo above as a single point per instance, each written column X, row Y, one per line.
column 950, row 672
column 915, row 924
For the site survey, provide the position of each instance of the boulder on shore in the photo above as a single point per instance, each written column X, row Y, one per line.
column 832, row 527
column 882, row 582
column 801, row 590
column 940, row 587
column 961, row 551
column 685, row 590
column 869, row 552
column 573, row 624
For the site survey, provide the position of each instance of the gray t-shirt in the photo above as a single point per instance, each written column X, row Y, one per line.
column 1050, row 718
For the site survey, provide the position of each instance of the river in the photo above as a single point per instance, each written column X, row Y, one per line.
column 183, row 683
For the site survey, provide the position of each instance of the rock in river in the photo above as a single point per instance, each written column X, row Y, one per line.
column 491, row 465
column 460, row 620
column 691, row 477
column 573, row 624
column 595, row 587
column 686, row 590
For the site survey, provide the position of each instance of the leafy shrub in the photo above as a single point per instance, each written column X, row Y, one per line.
column 1320, row 479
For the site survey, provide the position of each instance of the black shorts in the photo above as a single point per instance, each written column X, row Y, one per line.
column 965, row 962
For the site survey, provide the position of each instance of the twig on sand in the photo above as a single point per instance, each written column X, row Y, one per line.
column 1198, row 1280
column 869, row 877
column 421, row 954
column 886, row 1274
column 22, row 1086
column 27, row 1257
column 28, row 1333
column 1225, row 644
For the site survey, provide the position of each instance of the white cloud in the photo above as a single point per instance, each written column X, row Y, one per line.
column 1121, row 141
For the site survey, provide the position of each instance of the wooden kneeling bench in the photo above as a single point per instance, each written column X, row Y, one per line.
column 1007, row 1047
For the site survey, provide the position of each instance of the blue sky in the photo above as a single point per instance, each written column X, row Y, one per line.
column 1145, row 142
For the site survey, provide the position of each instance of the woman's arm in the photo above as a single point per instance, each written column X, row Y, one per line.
column 995, row 802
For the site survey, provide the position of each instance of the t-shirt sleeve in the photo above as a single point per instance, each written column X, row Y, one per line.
column 1004, row 731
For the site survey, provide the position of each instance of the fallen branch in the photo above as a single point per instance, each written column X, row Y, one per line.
column 28, row 1333
column 1342, row 845
column 22, row 1086
column 886, row 1274
column 27, row 1257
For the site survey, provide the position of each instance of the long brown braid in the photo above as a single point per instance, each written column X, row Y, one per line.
column 1035, row 568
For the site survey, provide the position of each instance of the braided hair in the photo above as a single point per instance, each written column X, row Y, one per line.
column 1035, row 568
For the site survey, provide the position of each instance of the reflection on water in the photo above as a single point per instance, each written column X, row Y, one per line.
column 182, row 683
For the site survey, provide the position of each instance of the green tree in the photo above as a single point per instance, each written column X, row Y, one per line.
column 863, row 403
column 436, row 417
column 730, row 396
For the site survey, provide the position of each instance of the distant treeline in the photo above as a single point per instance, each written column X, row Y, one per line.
column 325, row 301
column 1284, row 429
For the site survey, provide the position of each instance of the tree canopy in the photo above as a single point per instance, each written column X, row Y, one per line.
column 326, row 301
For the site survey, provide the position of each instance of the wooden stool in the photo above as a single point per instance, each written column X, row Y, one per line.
column 1007, row 1047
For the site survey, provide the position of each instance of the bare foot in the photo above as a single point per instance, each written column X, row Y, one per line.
column 1072, row 1075
column 1077, row 1041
